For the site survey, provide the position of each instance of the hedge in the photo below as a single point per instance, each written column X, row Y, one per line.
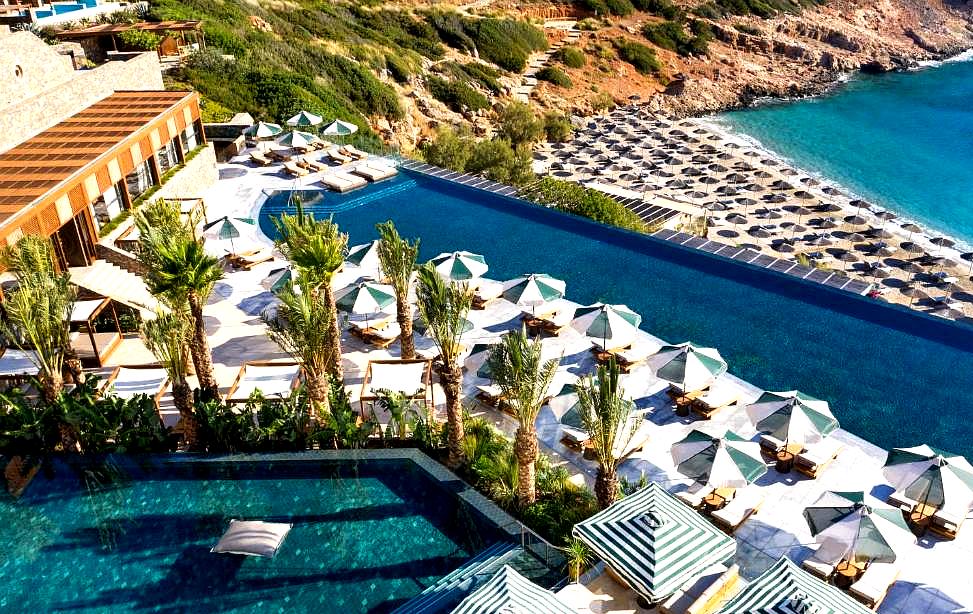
column 579, row 200
column 572, row 57
column 456, row 95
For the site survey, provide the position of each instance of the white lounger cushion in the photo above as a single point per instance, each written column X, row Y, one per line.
column 639, row 351
column 743, row 503
column 722, row 392
column 821, row 453
column 695, row 494
column 875, row 582
column 900, row 499
column 490, row 390
column 270, row 380
column 488, row 289
column 131, row 382
column 824, row 559
column 406, row 378
column 770, row 442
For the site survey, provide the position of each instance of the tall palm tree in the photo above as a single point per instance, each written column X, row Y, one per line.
column 524, row 378
column 166, row 338
column 301, row 327
column 444, row 307
column 317, row 249
column 181, row 270
column 605, row 415
column 398, row 259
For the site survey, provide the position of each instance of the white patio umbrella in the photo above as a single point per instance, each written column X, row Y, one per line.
column 864, row 532
column 533, row 290
column 460, row 266
column 242, row 230
column 339, row 128
column 304, row 119
column 608, row 326
column 298, row 139
column 688, row 366
column 262, row 131
column 367, row 298
column 729, row 461
column 931, row 477
column 792, row 417
column 364, row 256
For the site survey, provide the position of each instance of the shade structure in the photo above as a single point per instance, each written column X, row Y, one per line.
column 263, row 130
column 608, row 326
column 237, row 231
column 296, row 138
column 785, row 589
column 932, row 477
column 476, row 362
column 304, row 119
column 654, row 542
column 865, row 532
column 509, row 592
column 460, row 266
column 339, row 128
column 365, row 298
column 278, row 279
column 364, row 256
column 688, row 366
column 793, row 417
column 729, row 461
column 533, row 290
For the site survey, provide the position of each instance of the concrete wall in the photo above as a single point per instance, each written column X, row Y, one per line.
column 194, row 179
column 29, row 67
column 34, row 109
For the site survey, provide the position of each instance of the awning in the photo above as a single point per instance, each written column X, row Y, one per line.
column 785, row 589
column 654, row 542
column 508, row 591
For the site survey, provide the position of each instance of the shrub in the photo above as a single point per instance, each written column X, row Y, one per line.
column 505, row 42
column 579, row 200
column 748, row 29
column 500, row 161
column 620, row 8
column 398, row 68
column 451, row 148
column 639, row 56
column 472, row 71
column 662, row 8
column 519, row 125
column 456, row 95
column 554, row 75
column 140, row 40
column 557, row 127
column 572, row 57
column 672, row 35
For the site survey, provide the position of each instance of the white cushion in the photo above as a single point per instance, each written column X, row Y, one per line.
column 252, row 538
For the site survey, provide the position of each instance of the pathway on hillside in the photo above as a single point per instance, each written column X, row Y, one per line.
column 538, row 61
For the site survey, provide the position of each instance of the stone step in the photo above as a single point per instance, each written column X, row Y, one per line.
column 107, row 279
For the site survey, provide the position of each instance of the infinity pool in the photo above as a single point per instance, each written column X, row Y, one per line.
column 892, row 376
column 133, row 534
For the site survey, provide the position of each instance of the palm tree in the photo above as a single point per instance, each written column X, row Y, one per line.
column 398, row 259
column 524, row 378
column 317, row 249
column 166, row 338
column 180, row 270
column 605, row 415
column 444, row 307
column 302, row 328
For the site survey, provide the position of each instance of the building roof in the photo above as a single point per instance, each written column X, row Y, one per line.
column 43, row 162
column 116, row 28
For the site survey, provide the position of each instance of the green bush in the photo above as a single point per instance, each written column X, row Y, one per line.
column 572, row 57
column 639, row 56
column 398, row 68
column 498, row 160
column 554, row 75
column 504, row 42
column 748, row 29
column 451, row 148
column 456, row 95
column 579, row 200
column 519, row 125
column 557, row 127
column 620, row 8
column 472, row 71
column 139, row 40
column 662, row 8
column 672, row 35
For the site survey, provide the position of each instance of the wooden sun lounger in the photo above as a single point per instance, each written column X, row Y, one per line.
column 248, row 260
column 490, row 395
column 769, row 445
column 746, row 503
column 381, row 336
column 822, row 562
column 342, row 182
column 900, row 500
column 241, row 394
column 258, row 158
column 694, row 495
column 634, row 356
column 874, row 584
column 486, row 292
column 816, row 457
column 338, row 157
column 292, row 168
column 720, row 396
column 280, row 155
column 354, row 152
column 946, row 524
column 316, row 166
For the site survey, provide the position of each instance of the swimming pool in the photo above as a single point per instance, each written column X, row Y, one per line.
column 134, row 533
column 892, row 376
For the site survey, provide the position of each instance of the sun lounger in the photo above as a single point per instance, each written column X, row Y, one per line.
column 342, row 182
column 384, row 336
column 816, row 457
column 556, row 322
column 374, row 173
column 705, row 592
column 629, row 358
column 874, row 584
column 409, row 377
column 354, row 152
column 127, row 382
column 486, row 292
column 720, row 395
column 746, row 503
column 316, row 166
column 822, row 562
column 291, row 168
column 901, row 501
column 338, row 157
column 947, row 523
column 769, row 445
column 248, row 260
column 274, row 380
column 258, row 158
column 280, row 155
column 694, row 495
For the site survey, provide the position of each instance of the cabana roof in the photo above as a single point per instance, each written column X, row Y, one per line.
column 508, row 591
column 117, row 28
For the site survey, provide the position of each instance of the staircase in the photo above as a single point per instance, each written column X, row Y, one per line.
column 109, row 280
column 528, row 81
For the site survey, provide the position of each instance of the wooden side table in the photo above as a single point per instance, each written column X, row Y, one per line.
column 920, row 518
column 718, row 498
column 786, row 456
column 845, row 574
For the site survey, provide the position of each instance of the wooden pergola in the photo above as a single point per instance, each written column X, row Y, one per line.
column 176, row 35
column 102, row 344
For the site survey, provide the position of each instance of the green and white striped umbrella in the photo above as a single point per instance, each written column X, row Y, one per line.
column 508, row 592
column 460, row 266
column 533, row 290
column 278, row 279
column 608, row 326
column 786, row 589
column 721, row 462
column 263, row 130
column 476, row 362
column 339, row 128
column 654, row 542
column 419, row 325
column 932, row 477
column 866, row 533
column 792, row 417
column 304, row 119
column 229, row 229
column 365, row 298
column 364, row 256
column 687, row 366
column 296, row 138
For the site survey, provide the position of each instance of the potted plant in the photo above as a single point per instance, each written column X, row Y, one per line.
column 578, row 558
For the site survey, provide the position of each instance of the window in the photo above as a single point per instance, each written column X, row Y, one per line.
column 188, row 138
column 139, row 180
column 167, row 156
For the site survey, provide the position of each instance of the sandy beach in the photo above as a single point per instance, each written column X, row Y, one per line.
column 749, row 196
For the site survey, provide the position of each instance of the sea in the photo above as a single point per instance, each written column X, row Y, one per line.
column 903, row 141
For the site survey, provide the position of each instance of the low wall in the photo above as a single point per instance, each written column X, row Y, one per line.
column 194, row 179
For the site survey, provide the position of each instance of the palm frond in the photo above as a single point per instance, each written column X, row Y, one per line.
column 301, row 327
column 397, row 257
column 443, row 307
column 166, row 336
column 521, row 374
column 606, row 414
column 317, row 248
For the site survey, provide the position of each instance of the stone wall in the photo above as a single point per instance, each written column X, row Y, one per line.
column 29, row 67
column 194, row 179
column 45, row 108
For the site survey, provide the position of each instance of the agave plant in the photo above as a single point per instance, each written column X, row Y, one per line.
column 398, row 261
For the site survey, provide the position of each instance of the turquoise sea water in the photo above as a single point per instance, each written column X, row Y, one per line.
column 901, row 140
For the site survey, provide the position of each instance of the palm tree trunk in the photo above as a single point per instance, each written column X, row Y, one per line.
column 336, row 368
column 525, row 447
column 317, row 392
column 404, row 315
column 451, row 377
column 606, row 486
column 182, row 398
column 202, row 355
column 52, row 385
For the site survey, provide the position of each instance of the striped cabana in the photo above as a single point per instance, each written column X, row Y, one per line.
column 785, row 589
column 508, row 591
column 653, row 542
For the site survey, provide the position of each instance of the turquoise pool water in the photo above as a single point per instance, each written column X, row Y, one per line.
column 899, row 139
column 892, row 376
column 133, row 534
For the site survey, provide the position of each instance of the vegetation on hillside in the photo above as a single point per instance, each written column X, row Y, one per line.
column 672, row 35
column 576, row 199
column 641, row 57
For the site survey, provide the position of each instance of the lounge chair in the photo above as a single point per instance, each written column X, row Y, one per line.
column 705, row 592
column 720, row 395
column 291, row 168
column 354, row 152
column 486, row 292
column 127, row 382
column 342, row 182
column 275, row 380
column 248, row 260
column 631, row 357
column 409, row 377
column 491, row 395
column 746, row 503
column 259, row 159
column 946, row 523
column 770, row 445
column 384, row 336
column 816, row 457
column 900, row 500
column 280, row 155
column 338, row 157
column 694, row 495
column 874, row 584
column 556, row 322
column 822, row 562
column 316, row 166
column 684, row 399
